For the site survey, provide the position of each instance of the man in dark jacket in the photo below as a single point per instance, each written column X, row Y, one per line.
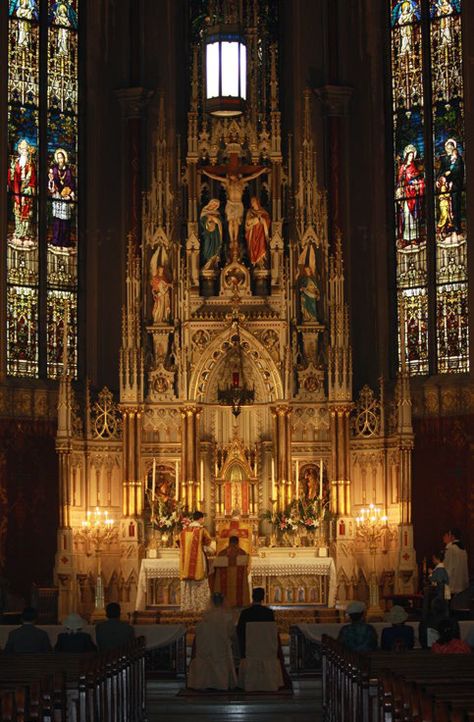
column 28, row 639
column 258, row 612
column 113, row 633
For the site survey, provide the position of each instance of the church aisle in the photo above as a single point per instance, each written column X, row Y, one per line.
column 163, row 704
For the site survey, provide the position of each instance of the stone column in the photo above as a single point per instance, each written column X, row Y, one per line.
column 133, row 102
column 335, row 101
column 190, row 494
column 282, row 454
column 132, row 483
column 340, row 484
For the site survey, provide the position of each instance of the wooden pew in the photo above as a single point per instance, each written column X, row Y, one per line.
column 391, row 686
column 98, row 687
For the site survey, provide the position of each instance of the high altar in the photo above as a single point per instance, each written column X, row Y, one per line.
column 236, row 375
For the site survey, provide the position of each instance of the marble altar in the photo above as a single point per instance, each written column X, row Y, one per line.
column 289, row 576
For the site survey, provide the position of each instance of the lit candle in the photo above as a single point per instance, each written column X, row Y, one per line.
column 297, row 474
column 321, row 479
column 153, row 480
column 202, row 480
column 176, row 491
column 273, row 478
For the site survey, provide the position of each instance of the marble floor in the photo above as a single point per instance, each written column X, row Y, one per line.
column 163, row 705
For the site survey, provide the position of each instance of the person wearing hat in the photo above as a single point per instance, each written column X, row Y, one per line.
column 358, row 636
column 399, row 637
column 74, row 639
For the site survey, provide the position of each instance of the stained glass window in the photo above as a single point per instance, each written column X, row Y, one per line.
column 429, row 199
column 42, row 226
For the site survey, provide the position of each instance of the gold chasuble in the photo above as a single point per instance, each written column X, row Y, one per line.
column 192, row 559
column 234, row 527
column 231, row 576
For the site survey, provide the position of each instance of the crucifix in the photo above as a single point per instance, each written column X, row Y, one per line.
column 234, row 176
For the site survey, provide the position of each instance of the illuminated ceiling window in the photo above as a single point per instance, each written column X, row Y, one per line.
column 42, row 185
column 429, row 181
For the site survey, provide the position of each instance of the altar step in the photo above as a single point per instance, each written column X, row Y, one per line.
column 285, row 616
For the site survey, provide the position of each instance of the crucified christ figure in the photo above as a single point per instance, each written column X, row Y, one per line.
column 234, row 178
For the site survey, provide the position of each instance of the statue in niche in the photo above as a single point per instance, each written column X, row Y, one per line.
column 309, row 294
column 160, row 288
column 308, row 282
column 310, row 486
column 257, row 232
column 211, row 232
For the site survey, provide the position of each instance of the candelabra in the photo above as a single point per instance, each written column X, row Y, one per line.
column 97, row 531
column 371, row 527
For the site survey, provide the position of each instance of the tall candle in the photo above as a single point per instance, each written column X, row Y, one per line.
column 202, row 480
column 297, row 475
column 273, row 478
column 321, row 479
column 176, row 491
column 153, row 481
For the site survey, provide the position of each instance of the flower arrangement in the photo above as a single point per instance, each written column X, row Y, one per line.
column 307, row 514
column 168, row 516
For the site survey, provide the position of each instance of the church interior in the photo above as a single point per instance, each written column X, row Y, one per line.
column 235, row 280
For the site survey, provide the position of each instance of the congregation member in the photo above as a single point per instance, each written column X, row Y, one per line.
column 231, row 574
column 399, row 637
column 428, row 627
column 28, row 639
column 455, row 562
column 448, row 641
column 212, row 666
column 113, row 633
column 359, row 636
column 439, row 580
column 74, row 639
column 257, row 612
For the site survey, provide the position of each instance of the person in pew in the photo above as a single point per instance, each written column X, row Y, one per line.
column 28, row 639
column 212, row 664
column 359, row 636
column 113, row 633
column 428, row 627
column 399, row 637
column 74, row 639
column 448, row 641
column 257, row 612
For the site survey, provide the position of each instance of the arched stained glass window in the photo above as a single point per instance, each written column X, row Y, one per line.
column 42, row 232
column 429, row 203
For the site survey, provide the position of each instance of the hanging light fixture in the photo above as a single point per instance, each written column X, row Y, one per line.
column 237, row 393
column 226, row 70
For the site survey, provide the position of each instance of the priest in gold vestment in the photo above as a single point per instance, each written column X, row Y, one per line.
column 231, row 574
column 194, row 541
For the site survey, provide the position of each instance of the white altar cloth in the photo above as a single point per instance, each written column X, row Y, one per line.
column 156, row 635
column 273, row 562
